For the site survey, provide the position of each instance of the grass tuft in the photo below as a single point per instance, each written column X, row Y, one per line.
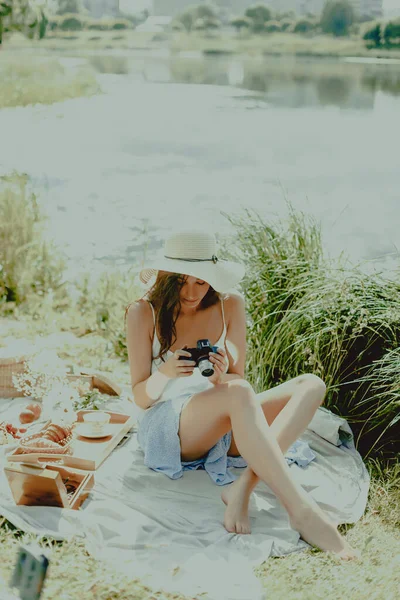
column 41, row 81
column 308, row 314
column 29, row 266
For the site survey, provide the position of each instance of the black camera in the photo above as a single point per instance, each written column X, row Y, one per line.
column 200, row 355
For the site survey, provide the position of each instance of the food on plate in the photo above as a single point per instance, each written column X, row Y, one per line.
column 53, row 439
column 26, row 416
column 35, row 408
column 30, row 413
column 57, row 433
column 8, row 433
column 43, row 444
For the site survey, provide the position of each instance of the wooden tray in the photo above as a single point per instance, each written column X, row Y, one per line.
column 86, row 453
column 49, row 485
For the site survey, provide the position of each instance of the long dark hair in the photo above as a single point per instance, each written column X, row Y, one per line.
column 165, row 298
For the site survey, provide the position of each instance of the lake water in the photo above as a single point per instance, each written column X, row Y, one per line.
column 181, row 140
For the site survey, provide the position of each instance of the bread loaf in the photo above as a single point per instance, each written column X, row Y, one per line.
column 26, row 416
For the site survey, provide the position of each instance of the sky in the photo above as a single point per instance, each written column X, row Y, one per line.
column 391, row 5
column 134, row 6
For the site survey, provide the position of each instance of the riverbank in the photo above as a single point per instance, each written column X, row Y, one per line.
column 279, row 44
column 75, row 573
column 214, row 43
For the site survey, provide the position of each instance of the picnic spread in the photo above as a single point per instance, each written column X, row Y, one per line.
column 87, row 479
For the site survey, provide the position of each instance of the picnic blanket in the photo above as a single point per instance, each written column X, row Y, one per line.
column 170, row 533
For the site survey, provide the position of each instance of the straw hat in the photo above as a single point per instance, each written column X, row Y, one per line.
column 194, row 252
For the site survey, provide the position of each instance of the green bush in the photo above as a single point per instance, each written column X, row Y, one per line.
column 373, row 34
column 75, row 22
column 310, row 315
column 240, row 23
column 259, row 14
column 121, row 24
column 391, row 33
column 71, row 22
column 303, row 26
column 286, row 24
column 272, row 26
column 28, row 264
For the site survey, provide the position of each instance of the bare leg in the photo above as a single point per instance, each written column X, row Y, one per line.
column 206, row 418
column 288, row 409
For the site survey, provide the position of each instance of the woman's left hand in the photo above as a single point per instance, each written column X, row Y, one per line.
column 221, row 365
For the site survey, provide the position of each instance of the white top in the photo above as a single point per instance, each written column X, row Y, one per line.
column 181, row 385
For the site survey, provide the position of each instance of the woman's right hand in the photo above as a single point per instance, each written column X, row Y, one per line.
column 174, row 367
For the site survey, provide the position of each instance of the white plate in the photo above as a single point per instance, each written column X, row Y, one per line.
column 83, row 430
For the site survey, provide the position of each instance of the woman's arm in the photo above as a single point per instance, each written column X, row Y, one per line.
column 235, row 314
column 146, row 388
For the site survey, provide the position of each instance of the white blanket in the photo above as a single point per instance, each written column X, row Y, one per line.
column 171, row 533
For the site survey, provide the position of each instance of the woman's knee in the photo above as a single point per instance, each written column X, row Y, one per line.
column 313, row 383
column 240, row 392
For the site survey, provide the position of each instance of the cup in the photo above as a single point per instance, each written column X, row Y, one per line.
column 96, row 420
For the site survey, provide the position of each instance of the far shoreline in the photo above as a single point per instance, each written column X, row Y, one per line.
column 208, row 45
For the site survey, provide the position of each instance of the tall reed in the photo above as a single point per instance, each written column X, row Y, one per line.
column 29, row 265
column 308, row 314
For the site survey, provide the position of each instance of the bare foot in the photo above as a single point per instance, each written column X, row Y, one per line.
column 316, row 529
column 236, row 497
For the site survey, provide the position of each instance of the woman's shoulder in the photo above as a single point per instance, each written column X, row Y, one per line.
column 233, row 299
column 139, row 311
column 233, row 303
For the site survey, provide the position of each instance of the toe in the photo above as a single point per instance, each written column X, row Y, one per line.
column 243, row 528
column 230, row 527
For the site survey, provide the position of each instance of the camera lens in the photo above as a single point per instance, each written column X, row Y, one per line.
column 206, row 368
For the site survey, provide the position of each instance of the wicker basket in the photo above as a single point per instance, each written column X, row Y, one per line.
column 9, row 367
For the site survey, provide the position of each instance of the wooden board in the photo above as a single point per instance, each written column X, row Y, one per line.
column 86, row 453
column 47, row 485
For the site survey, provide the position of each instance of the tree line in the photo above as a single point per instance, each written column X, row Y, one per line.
column 337, row 18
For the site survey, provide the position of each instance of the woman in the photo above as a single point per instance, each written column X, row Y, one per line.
column 188, row 419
